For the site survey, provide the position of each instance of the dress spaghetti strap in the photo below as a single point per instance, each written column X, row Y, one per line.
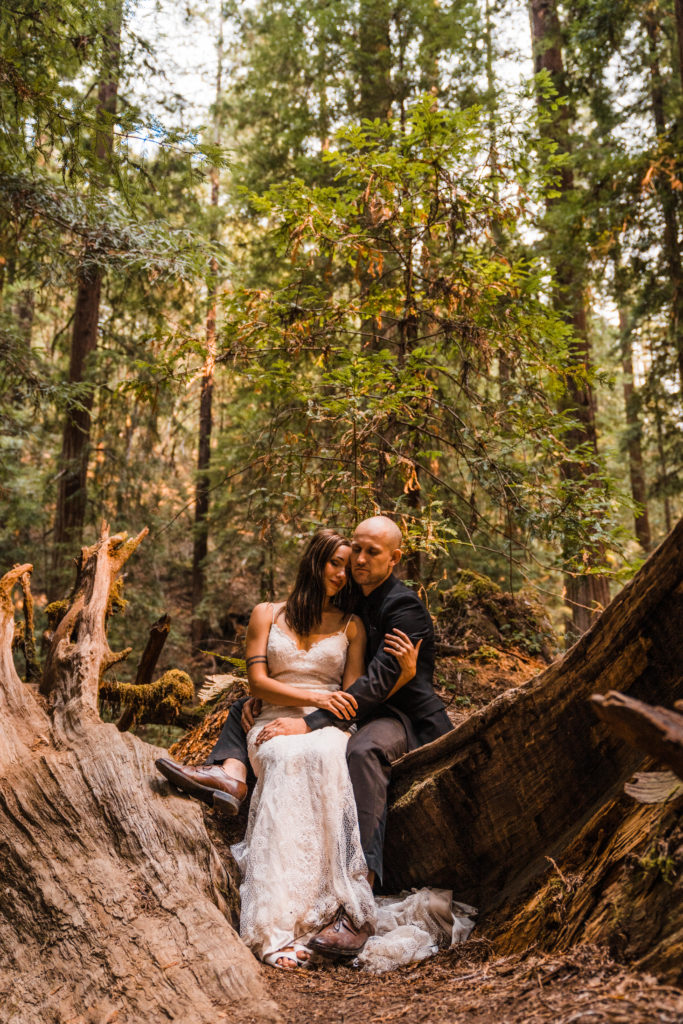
column 347, row 624
column 276, row 613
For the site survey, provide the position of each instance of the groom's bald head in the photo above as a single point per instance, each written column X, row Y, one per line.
column 382, row 529
column 375, row 550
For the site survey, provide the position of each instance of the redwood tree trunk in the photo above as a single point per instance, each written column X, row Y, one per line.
column 73, row 462
column 372, row 66
column 71, row 493
column 586, row 594
column 678, row 7
column 373, row 60
column 634, row 433
column 667, row 194
column 199, row 626
column 114, row 904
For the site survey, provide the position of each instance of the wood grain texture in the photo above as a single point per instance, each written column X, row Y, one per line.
column 113, row 904
column 619, row 885
column 480, row 809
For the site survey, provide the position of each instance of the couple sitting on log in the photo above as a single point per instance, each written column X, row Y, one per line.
column 341, row 677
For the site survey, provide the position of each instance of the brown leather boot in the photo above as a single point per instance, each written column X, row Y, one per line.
column 203, row 782
column 341, row 938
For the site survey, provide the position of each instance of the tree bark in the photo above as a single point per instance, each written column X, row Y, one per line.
column 616, row 886
column 153, row 648
column 482, row 808
column 113, row 903
column 678, row 9
column 585, row 594
column 670, row 241
column 199, row 626
column 73, row 462
column 372, row 64
column 33, row 671
column 634, row 433
column 373, row 60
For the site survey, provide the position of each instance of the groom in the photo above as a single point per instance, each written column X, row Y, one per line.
column 387, row 726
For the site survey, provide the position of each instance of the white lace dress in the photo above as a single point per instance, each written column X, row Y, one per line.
column 301, row 858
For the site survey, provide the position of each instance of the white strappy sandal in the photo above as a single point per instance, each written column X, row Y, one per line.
column 290, row 953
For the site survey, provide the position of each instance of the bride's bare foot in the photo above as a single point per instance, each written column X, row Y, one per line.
column 289, row 958
column 287, row 963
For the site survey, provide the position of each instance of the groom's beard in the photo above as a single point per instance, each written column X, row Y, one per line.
column 367, row 578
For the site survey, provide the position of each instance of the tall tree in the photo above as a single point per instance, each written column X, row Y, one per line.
column 678, row 8
column 665, row 177
column 73, row 460
column 586, row 593
column 372, row 59
column 634, row 430
column 199, row 624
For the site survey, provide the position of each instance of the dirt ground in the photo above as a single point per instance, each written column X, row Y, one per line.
column 470, row 984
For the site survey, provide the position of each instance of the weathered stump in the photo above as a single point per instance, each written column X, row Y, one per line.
column 113, row 900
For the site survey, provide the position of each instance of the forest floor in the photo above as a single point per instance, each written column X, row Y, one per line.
column 471, row 984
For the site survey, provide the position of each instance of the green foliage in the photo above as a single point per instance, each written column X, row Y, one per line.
column 386, row 337
column 375, row 360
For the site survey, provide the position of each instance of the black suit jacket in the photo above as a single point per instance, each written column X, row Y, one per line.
column 392, row 605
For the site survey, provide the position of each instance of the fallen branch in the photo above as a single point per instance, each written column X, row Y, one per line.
column 654, row 730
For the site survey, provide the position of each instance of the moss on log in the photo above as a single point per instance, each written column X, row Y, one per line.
column 160, row 701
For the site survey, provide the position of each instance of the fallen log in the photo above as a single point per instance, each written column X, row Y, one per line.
column 114, row 903
column 481, row 809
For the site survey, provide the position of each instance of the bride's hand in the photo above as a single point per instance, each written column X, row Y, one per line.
column 339, row 702
column 401, row 646
column 281, row 727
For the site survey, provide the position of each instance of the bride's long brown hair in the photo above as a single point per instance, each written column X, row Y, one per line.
column 304, row 606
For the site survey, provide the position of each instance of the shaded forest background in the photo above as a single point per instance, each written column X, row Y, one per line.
column 382, row 273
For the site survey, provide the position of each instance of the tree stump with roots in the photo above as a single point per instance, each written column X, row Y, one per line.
column 113, row 903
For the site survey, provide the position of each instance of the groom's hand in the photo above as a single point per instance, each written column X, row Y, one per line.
column 251, row 709
column 282, row 727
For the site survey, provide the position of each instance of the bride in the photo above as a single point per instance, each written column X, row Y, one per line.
column 301, row 859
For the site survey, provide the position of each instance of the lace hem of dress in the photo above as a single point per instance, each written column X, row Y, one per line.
column 413, row 926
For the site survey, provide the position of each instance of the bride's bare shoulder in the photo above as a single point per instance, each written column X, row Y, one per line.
column 266, row 611
column 355, row 628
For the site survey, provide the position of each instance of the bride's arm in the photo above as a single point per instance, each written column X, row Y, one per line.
column 355, row 654
column 262, row 686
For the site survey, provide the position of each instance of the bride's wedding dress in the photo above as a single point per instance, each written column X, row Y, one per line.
column 301, row 858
